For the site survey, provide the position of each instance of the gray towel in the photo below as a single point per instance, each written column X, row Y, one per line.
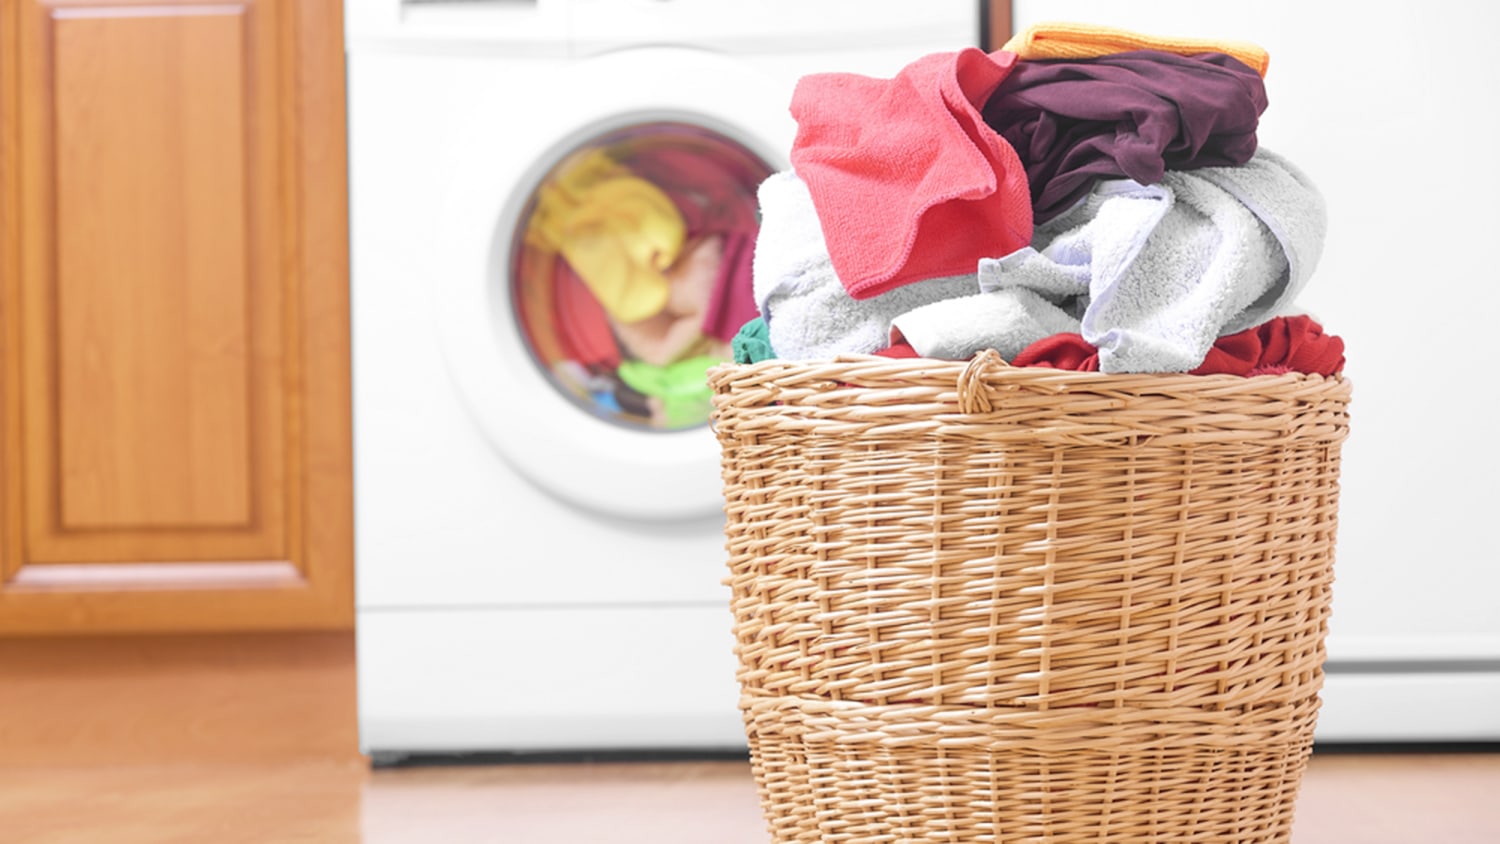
column 1166, row 269
column 1283, row 198
column 808, row 311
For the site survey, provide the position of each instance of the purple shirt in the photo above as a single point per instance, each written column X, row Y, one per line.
column 1132, row 115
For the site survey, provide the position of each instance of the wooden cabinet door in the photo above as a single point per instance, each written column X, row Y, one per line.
column 174, row 408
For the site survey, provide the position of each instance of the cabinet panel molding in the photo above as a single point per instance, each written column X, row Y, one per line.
column 152, row 296
column 172, row 250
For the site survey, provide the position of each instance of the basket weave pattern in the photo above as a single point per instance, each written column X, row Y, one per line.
column 982, row 603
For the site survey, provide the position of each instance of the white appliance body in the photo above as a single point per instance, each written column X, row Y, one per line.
column 1414, row 644
column 531, row 577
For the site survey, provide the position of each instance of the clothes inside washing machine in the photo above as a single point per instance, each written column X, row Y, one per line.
column 631, row 271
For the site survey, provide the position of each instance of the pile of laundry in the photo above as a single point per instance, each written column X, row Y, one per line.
column 1083, row 198
column 635, row 272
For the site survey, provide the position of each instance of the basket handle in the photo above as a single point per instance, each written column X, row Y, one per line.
column 973, row 397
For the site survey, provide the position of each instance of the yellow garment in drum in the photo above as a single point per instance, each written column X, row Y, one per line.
column 619, row 233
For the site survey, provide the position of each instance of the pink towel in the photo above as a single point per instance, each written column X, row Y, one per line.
column 908, row 181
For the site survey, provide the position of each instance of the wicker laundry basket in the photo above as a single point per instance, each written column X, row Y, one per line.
column 983, row 603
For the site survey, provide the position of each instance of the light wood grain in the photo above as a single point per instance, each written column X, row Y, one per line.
column 227, row 699
column 183, row 804
column 174, row 312
column 322, row 407
column 153, row 387
column 167, row 739
column 1361, row 799
column 688, row 802
column 152, row 291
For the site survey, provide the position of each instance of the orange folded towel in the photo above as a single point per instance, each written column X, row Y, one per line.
column 1083, row 41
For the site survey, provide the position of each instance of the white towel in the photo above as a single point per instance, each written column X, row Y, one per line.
column 1006, row 320
column 1166, row 269
column 809, row 313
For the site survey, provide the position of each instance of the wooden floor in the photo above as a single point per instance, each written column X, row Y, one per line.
column 222, row 740
column 1406, row 798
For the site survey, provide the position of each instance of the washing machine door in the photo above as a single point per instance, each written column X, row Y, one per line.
column 594, row 262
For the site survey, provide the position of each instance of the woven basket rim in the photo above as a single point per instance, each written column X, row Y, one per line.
column 870, row 370
column 985, row 396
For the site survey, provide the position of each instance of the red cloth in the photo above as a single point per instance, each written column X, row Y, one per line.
column 583, row 327
column 1234, row 354
column 714, row 191
column 1281, row 344
column 908, row 181
column 1060, row 351
column 1298, row 344
column 900, row 349
column 732, row 303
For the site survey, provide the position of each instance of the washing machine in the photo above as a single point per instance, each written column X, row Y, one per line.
column 552, row 219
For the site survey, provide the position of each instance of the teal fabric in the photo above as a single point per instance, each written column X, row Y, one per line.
column 753, row 343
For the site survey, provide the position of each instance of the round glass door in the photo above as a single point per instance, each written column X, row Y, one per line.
column 630, row 269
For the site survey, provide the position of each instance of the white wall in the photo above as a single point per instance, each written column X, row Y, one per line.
column 1393, row 108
